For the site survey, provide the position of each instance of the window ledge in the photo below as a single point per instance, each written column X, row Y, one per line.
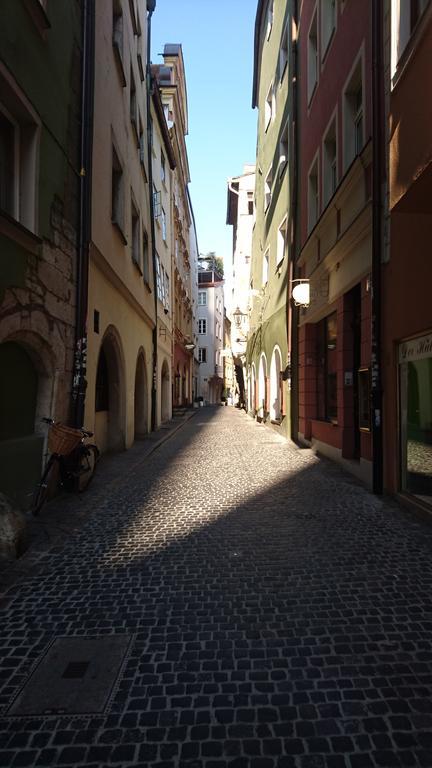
column 119, row 230
column 15, row 231
column 39, row 16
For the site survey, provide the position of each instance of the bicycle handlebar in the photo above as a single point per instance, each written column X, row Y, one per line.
column 84, row 432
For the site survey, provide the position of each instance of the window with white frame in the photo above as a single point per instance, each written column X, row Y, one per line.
column 135, row 231
column 269, row 110
column 283, row 53
column 19, row 153
column 313, row 196
column 163, row 224
column 8, row 165
column 405, row 16
column 202, row 298
column 202, row 354
column 145, row 258
column 202, row 327
column 132, row 100
column 329, row 163
column 312, row 57
column 117, row 37
column 353, row 116
column 158, row 278
column 282, row 242
column 117, row 196
column 268, row 189
column 167, row 302
column 283, row 150
column 265, row 266
column 163, row 273
column 163, row 174
column 250, row 202
column 269, row 18
column 328, row 23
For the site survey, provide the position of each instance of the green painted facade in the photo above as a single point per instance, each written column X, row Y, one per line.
column 40, row 64
column 270, row 264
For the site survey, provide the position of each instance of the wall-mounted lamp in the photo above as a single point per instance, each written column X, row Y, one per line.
column 189, row 347
column 238, row 316
column 300, row 292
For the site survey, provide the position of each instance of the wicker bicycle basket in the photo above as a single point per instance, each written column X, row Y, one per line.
column 63, row 440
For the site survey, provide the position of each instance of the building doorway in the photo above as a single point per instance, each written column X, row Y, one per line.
column 141, row 399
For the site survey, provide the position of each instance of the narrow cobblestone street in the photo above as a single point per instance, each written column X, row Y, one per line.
column 272, row 613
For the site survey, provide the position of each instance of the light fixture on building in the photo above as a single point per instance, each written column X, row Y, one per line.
column 189, row 347
column 238, row 316
column 300, row 292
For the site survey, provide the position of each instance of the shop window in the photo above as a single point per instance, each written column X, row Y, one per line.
column 327, row 369
column 415, row 359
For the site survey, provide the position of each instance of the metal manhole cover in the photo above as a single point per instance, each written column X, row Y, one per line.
column 75, row 676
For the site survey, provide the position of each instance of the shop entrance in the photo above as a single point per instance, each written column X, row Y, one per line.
column 415, row 370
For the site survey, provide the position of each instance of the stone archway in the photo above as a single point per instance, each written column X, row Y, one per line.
column 275, row 385
column 141, row 398
column 110, row 394
column 165, row 392
column 27, row 389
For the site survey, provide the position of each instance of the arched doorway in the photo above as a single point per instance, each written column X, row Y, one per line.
column 165, row 392
column 275, row 385
column 262, row 381
column 253, row 393
column 110, row 395
column 140, row 399
column 24, row 385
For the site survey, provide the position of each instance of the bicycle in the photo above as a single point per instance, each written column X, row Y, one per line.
column 76, row 460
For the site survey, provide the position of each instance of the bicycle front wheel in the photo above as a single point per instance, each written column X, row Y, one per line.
column 87, row 461
column 41, row 492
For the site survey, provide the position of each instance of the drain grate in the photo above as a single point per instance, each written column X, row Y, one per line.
column 75, row 676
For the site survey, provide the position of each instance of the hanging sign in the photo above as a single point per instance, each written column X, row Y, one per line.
column 415, row 349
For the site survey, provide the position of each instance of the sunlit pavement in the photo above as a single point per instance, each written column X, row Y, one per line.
column 267, row 611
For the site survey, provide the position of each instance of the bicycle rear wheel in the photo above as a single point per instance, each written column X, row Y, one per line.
column 42, row 489
column 88, row 458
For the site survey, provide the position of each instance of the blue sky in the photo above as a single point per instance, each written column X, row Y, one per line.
column 217, row 42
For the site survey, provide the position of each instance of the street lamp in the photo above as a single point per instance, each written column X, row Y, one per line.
column 300, row 292
column 238, row 316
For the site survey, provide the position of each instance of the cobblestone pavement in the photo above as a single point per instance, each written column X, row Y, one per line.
column 277, row 615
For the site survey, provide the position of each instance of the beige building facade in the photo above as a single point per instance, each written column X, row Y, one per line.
column 121, row 306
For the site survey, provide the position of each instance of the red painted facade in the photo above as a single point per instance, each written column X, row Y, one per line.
column 334, row 420
column 353, row 26
column 407, row 304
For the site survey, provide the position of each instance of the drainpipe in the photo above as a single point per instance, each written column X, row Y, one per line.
column 79, row 383
column 292, row 310
column 151, row 5
column 377, row 170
